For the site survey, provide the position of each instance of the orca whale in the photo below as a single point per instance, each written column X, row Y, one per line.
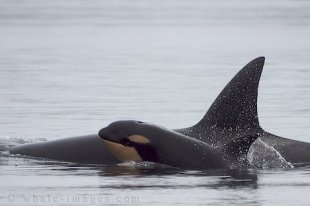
column 139, row 141
column 233, row 114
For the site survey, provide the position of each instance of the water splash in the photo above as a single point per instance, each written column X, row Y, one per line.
column 8, row 142
column 264, row 156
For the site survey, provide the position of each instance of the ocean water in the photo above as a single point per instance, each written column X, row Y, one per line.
column 69, row 68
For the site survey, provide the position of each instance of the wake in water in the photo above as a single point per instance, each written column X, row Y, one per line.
column 264, row 156
column 8, row 142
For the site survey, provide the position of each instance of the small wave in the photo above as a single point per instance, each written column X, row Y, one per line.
column 5, row 153
column 144, row 165
column 264, row 156
column 8, row 142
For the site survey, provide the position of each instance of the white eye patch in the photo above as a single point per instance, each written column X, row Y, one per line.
column 139, row 139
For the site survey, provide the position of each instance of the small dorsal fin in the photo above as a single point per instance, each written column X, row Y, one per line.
column 236, row 105
column 239, row 146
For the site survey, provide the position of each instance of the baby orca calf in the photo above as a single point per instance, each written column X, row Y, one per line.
column 138, row 141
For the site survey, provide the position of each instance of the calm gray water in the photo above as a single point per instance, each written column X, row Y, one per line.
column 69, row 68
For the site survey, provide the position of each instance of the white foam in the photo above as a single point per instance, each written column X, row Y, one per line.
column 6, row 142
column 264, row 156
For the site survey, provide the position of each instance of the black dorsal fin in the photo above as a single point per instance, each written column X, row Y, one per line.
column 234, row 112
column 236, row 105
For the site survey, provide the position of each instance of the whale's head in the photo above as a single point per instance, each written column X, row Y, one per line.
column 129, row 140
column 125, row 132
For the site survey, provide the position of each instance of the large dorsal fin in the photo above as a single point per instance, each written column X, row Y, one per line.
column 236, row 105
column 234, row 112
